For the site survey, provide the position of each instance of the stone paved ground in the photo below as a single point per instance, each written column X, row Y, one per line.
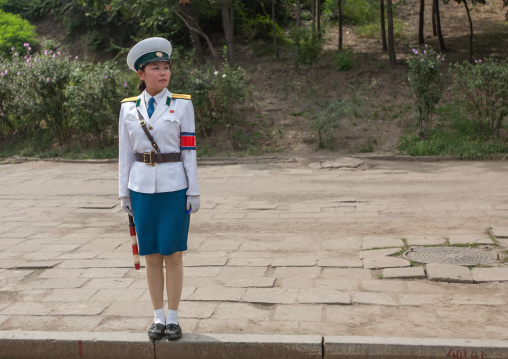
column 278, row 247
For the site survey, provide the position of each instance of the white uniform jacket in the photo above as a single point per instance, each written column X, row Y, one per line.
column 171, row 123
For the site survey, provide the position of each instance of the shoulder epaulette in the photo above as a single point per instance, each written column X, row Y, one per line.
column 130, row 99
column 182, row 96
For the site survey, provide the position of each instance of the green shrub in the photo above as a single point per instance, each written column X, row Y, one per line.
column 261, row 27
column 427, row 83
column 93, row 97
column 344, row 60
column 455, row 135
column 8, row 111
column 325, row 122
column 354, row 106
column 373, row 30
column 40, row 90
column 483, row 89
column 310, row 45
column 61, row 98
column 354, row 12
column 94, row 40
column 461, row 141
column 364, row 146
column 218, row 95
column 14, row 32
column 31, row 9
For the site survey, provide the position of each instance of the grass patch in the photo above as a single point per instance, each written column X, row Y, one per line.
column 364, row 146
column 460, row 139
column 373, row 30
column 40, row 146
column 390, row 112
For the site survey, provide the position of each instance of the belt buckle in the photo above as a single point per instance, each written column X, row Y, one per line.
column 147, row 158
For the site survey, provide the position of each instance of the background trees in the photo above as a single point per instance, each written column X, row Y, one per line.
column 258, row 68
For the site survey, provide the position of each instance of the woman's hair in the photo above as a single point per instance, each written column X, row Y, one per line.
column 141, row 86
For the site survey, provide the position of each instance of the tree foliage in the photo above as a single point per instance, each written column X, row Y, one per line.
column 14, row 32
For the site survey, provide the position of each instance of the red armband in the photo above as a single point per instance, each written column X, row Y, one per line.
column 187, row 141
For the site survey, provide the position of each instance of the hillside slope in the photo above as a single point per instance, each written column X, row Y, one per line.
column 285, row 100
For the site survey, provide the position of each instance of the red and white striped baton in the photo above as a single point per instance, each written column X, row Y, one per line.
column 134, row 242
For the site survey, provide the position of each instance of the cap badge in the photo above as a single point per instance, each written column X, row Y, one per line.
column 158, row 54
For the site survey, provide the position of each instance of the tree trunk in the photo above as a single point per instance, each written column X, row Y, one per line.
column 227, row 8
column 313, row 15
column 391, row 44
column 471, row 32
column 383, row 29
column 196, row 28
column 298, row 22
column 438, row 25
column 339, row 9
column 434, row 28
column 318, row 12
column 275, row 48
column 196, row 42
column 421, row 39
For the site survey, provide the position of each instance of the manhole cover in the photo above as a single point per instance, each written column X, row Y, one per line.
column 459, row 256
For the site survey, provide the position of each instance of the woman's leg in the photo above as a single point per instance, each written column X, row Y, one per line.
column 174, row 279
column 155, row 279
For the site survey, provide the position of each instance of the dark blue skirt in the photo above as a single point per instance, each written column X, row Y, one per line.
column 161, row 223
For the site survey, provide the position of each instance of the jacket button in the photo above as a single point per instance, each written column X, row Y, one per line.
column 150, row 128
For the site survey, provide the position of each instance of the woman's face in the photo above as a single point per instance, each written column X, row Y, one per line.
column 156, row 76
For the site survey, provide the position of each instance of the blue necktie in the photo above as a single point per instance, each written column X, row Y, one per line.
column 150, row 107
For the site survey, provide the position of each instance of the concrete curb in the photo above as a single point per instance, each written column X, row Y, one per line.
column 15, row 344
column 245, row 346
column 410, row 348
column 220, row 161
column 37, row 344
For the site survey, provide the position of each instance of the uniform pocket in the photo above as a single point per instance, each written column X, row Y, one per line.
column 171, row 117
column 131, row 118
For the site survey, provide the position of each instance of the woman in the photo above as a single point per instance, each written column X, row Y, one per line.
column 158, row 177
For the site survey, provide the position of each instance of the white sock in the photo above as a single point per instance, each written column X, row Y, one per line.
column 159, row 317
column 172, row 317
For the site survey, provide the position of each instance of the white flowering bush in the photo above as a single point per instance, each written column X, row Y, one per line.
column 427, row 82
column 93, row 100
column 40, row 94
column 57, row 96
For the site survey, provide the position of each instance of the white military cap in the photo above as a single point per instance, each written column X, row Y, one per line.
column 153, row 49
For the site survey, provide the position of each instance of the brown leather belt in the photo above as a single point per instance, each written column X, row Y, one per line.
column 151, row 158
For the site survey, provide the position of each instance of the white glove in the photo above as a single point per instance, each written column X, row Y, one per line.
column 193, row 203
column 126, row 205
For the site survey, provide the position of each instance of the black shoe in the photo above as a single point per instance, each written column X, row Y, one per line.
column 156, row 331
column 173, row 331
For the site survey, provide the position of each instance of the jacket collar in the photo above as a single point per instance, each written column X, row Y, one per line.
column 162, row 105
